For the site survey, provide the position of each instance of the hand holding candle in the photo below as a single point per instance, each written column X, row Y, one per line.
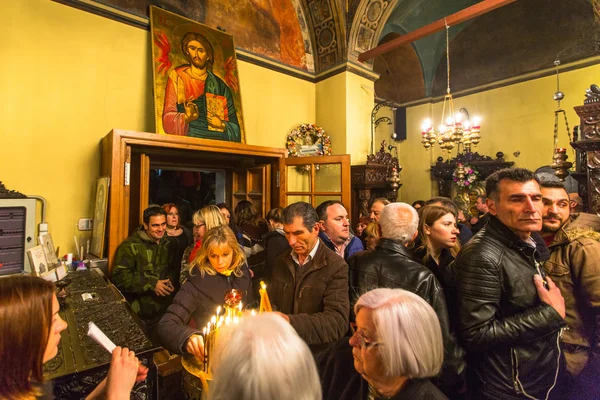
column 195, row 346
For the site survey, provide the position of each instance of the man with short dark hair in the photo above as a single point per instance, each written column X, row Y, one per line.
column 574, row 265
column 141, row 268
column 479, row 221
column 334, row 230
column 510, row 314
column 310, row 284
column 391, row 265
column 465, row 233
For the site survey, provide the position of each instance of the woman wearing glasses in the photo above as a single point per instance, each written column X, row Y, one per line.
column 396, row 346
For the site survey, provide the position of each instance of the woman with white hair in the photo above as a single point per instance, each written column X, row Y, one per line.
column 396, row 346
column 263, row 358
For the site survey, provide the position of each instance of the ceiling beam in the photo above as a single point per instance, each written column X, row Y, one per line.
column 454, row 19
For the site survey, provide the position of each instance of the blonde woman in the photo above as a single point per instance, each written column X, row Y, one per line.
column 204, row 219
column 219, row 267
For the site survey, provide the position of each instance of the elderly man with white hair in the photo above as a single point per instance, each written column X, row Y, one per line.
column 263, row 358
column 396, row 346
column 391, row 265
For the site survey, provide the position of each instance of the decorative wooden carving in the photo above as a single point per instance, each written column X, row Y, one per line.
column 369, row 182
column 587, row 145
column 442, row 170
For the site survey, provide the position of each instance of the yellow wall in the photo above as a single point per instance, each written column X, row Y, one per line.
column 515, row 118
column 68, row 77
column 344, row 104
column 331, row 110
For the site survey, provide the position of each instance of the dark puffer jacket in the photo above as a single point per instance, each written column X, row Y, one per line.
column 199, row 298
column 391, row 265
column 511, row 337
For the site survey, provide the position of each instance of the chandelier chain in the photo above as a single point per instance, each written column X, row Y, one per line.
column 447, row 56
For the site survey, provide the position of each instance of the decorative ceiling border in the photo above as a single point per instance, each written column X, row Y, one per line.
column 328, row 32
column 325, row 20
column 368, row 24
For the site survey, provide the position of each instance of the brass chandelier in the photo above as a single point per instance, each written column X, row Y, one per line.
column 456, row 129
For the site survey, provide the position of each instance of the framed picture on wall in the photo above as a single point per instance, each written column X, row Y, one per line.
column 196, row 85
column 99, row 224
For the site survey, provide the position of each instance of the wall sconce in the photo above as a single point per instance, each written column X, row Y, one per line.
column 376, row 121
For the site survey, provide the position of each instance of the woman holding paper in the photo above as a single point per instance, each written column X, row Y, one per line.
column 218, row 268
column 30, row 328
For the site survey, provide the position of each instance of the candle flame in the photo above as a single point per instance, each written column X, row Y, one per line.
column 218, row 310
column 253, row 313
column 262, row 285
column 213, row 320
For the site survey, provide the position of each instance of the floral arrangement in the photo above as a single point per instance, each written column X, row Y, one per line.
column 464, row 175
column 307, row 135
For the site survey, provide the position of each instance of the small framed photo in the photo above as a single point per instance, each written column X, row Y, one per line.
column 37, row 260
column 49, row 249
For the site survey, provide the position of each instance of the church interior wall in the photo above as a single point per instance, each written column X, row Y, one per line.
column 515, row 118
column 68, row 77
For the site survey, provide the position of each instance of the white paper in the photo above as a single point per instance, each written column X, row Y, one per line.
column 95, row 333
column 61, row 271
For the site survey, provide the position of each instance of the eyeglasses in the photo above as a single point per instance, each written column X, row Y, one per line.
column 362, row 342
column 199, row 226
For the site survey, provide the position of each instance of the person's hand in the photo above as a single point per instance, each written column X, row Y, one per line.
column 282, row 315
column 122, row 374
column 474, row 220
column 163, row 287
column 191, row 111
column 214, row 121
column 142, row 373
column 550, row 296
column 195, row 346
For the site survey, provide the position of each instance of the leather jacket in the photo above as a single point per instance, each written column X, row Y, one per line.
column 391, row 265
column 512, row 338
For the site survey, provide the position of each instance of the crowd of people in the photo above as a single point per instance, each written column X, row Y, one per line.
column 418, row 302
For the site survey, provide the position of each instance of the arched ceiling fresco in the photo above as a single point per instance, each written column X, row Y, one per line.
column 519, row 38
column 276, row 29
column 316, row 36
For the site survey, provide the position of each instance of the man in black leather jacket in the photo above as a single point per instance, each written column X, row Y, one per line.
column 510, row 314
column 391, row 265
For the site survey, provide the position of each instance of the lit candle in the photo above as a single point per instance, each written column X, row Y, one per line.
column 204, row 339
column 265, row 303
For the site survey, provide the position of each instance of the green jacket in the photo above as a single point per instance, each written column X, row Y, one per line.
column 139, row 263
column 574, row 266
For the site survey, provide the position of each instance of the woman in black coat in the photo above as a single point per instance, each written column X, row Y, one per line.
column 219, row 268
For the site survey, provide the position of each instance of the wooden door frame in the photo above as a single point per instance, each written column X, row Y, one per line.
column 343, row 159
column 113, row 153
